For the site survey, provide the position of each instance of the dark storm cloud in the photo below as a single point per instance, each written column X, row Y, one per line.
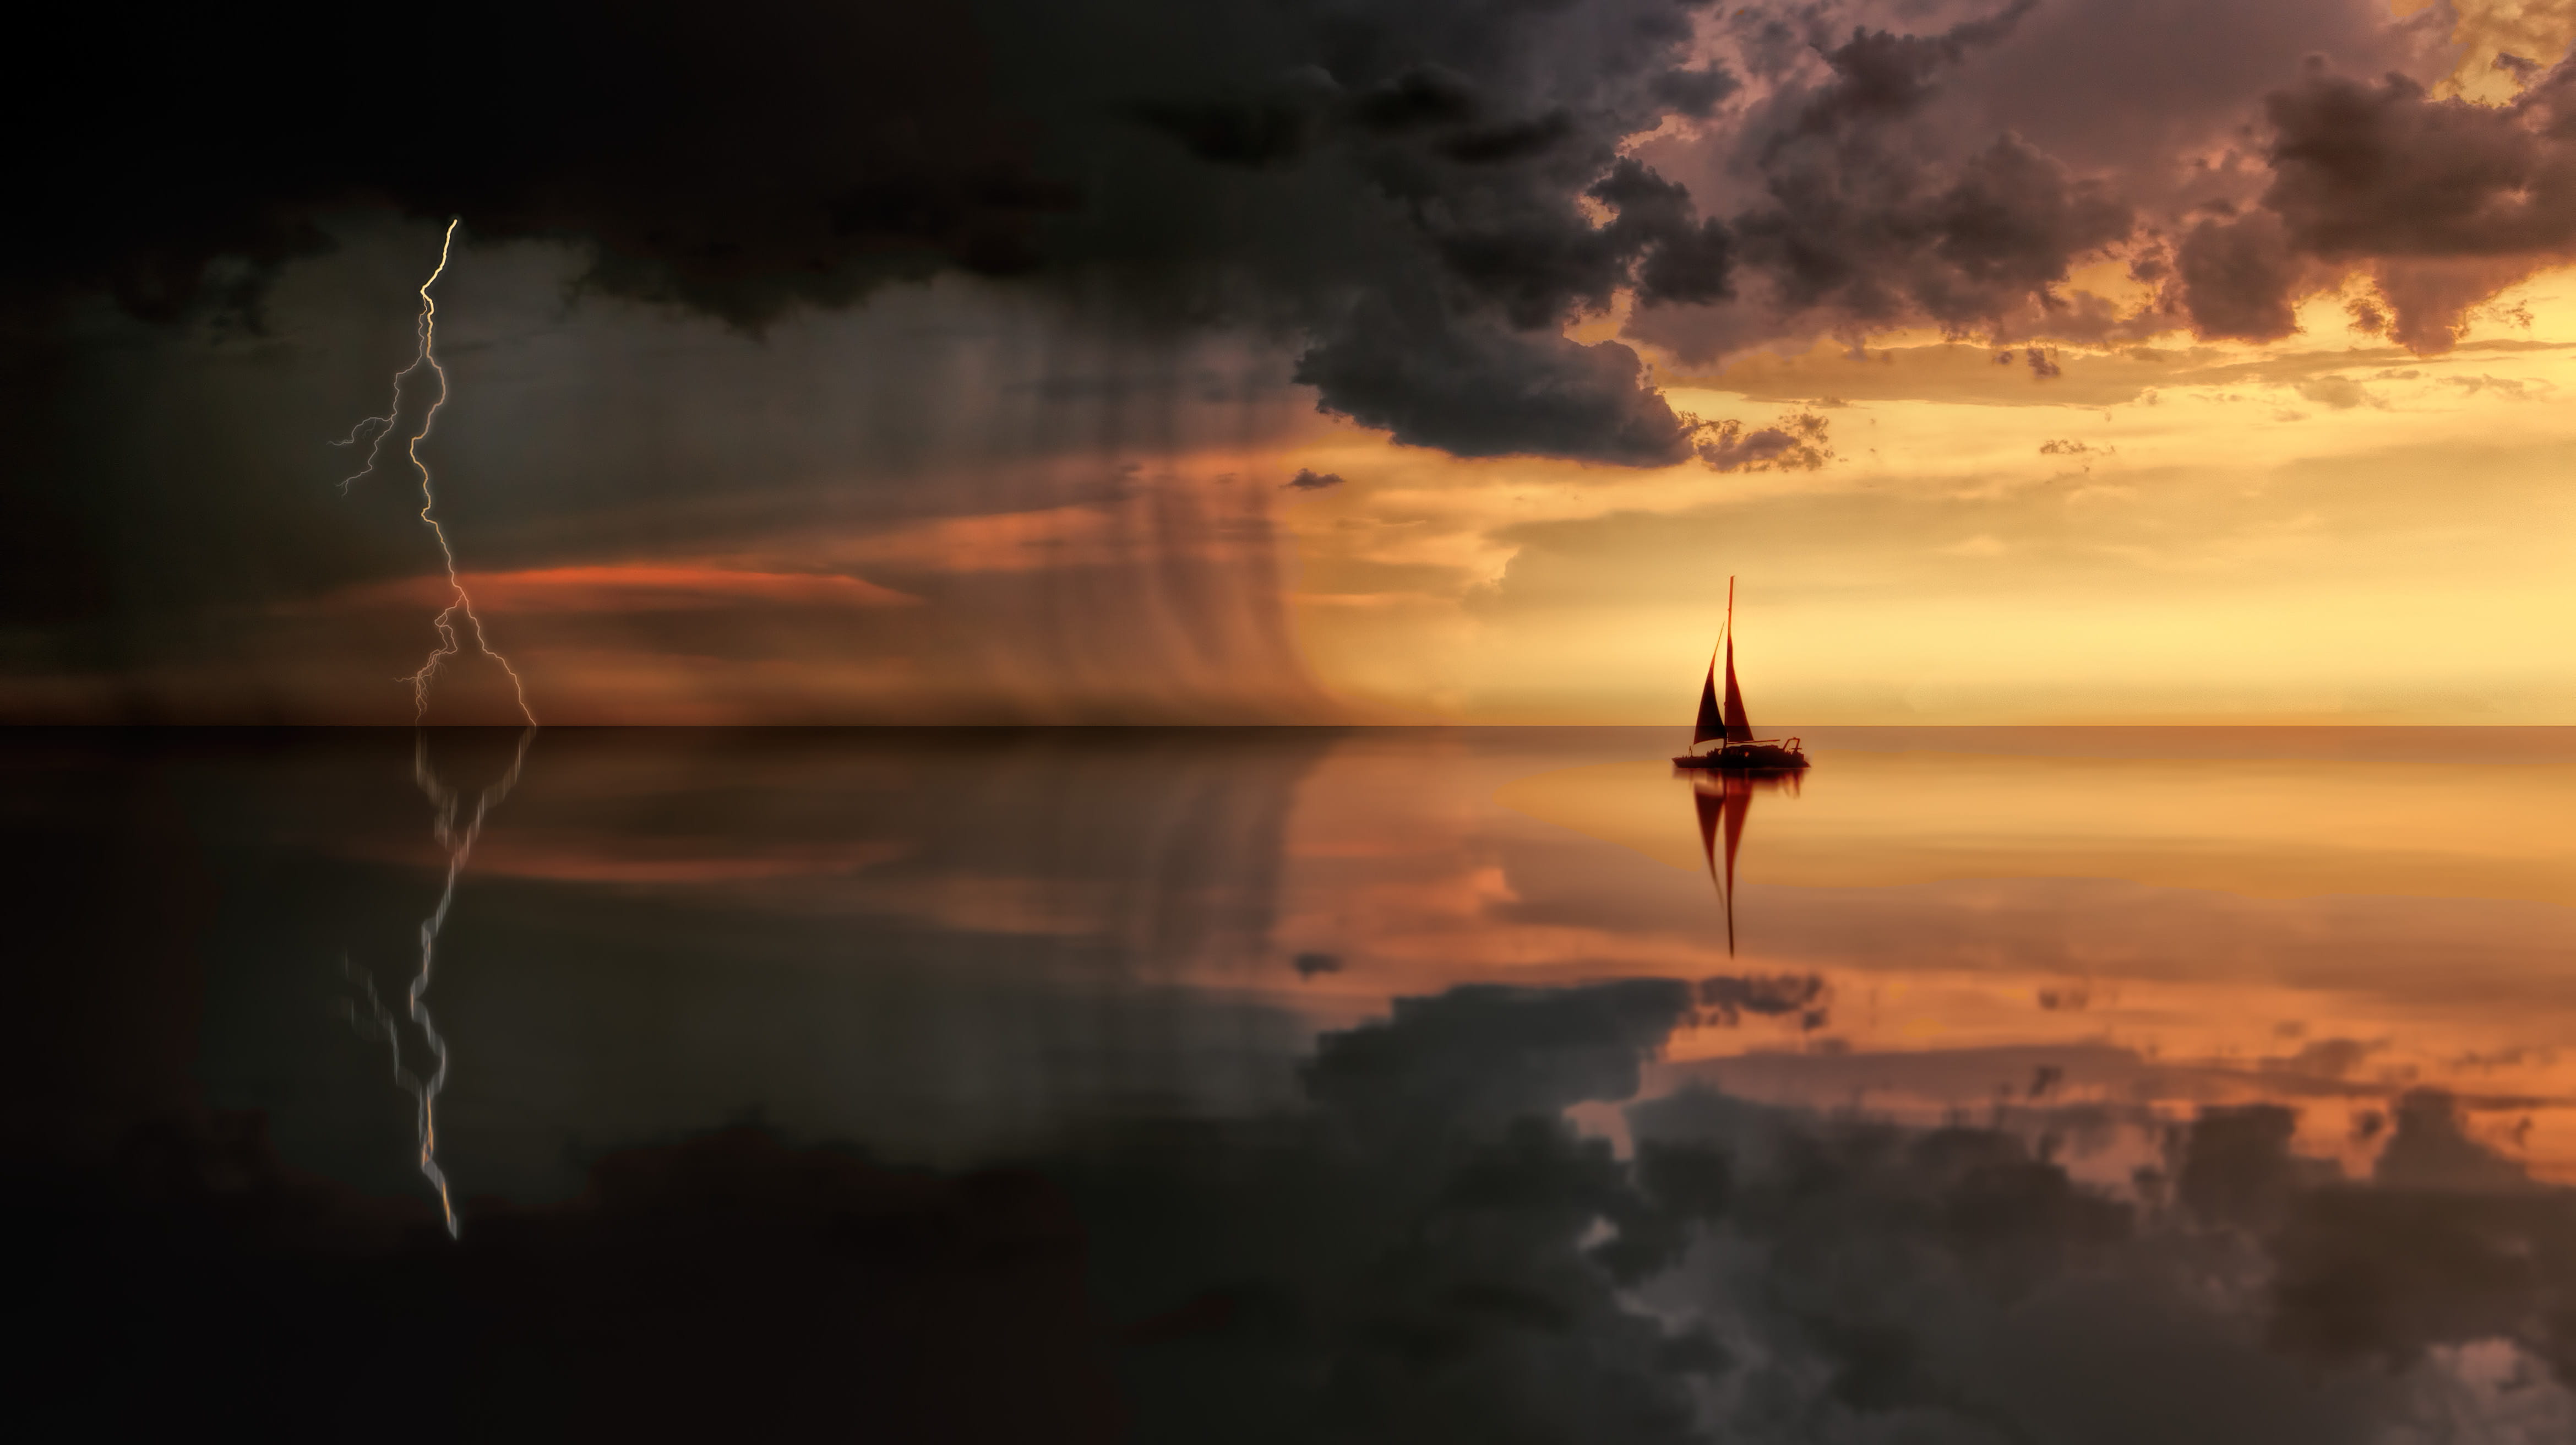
column 1319, row 167
column 2443, row 201
column 1442, row 160
column 1856, row 218
column 1681, row 260
column 736, row 159
column 1957, row 176
column 1488, row 390
column 1416, row 197
column 2383, row 169
column 1880, row 76
column 2155, row 92
column 1795, row 444
column 1695, row 93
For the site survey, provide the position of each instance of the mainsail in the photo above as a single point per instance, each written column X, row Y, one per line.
column 1721, row 819
column 1739, row 729
column 1731, row 723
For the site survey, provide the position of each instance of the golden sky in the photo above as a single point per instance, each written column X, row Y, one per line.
column 2326, row 529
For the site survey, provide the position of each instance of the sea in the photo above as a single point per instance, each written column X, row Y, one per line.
column 1378, row 1084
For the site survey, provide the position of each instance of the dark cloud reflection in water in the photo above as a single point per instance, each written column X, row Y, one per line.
column 983, row 1087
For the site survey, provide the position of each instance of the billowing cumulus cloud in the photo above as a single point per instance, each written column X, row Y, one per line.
column 1423, row 193
column 1491, row 391
column 1958, row 175
column 2442, row 202
column 1856, row 228
column 1408, row 187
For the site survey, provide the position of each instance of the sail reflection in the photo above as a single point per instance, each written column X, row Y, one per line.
column 1721, row 800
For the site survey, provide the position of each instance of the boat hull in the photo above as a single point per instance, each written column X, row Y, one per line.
column 1748, row 758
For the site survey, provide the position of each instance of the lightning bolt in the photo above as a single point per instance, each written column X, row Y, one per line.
column 456, row 837
column 458, row 840
column 374, row 430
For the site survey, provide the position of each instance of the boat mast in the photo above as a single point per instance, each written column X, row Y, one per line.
column 1711, row 724
column 1724, row 638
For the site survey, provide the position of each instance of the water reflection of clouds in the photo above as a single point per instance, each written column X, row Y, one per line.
column 1422, row 1247
column 1977, row 1158
column 2225, row 919
column 1121, row 867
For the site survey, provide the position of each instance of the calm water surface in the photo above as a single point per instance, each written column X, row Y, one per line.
column 1499, row 1085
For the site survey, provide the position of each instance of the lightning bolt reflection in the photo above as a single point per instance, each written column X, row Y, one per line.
column 373, row 430
column 378, row 1021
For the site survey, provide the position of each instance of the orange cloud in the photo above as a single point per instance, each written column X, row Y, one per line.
column 649, row 587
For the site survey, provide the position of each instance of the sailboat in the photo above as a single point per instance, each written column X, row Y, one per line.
column 1737, row 749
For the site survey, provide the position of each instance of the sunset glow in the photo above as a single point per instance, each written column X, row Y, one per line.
column 1316, row 722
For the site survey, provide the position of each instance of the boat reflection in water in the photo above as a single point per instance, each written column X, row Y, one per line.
column 1721, row 799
